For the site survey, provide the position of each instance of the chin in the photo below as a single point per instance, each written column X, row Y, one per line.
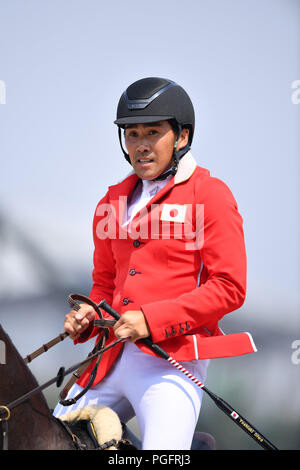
column 147, row 175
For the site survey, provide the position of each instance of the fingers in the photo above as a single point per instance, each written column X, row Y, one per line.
column 132, row 325
column 124, row 333
column 76, row 322
column 121, row 330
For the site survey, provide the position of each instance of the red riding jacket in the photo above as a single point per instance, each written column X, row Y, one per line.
column 183, row 265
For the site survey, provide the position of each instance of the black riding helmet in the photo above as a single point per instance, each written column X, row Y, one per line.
column 157, row 99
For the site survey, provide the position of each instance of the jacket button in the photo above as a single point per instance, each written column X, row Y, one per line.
column 173, row 331
column 137, row 243
column 132, row 272
column 125, row 301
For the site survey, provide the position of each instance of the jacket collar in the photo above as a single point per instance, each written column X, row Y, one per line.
column 186, row 167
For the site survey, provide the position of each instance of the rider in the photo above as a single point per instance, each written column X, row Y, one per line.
column 170, row 258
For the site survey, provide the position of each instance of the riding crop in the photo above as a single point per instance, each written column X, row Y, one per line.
column 236, row 417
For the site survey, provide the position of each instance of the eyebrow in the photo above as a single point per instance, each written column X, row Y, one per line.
column 146, row 124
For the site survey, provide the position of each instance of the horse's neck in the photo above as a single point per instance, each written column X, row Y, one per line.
column 16, row 379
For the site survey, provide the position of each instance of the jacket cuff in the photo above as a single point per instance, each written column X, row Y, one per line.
column 161, row 325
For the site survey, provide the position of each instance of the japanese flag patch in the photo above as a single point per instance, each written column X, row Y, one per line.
column 173, row 213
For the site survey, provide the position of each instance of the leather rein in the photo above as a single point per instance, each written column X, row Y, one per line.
column 97, row 352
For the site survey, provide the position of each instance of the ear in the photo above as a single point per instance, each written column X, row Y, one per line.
column 183, row 139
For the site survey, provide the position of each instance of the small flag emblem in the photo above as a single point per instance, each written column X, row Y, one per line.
column 234, row 415
column 173, row 213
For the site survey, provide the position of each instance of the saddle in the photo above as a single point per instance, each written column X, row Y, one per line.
column 94, row 427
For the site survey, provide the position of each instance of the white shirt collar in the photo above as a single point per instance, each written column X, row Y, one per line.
column 152, row 187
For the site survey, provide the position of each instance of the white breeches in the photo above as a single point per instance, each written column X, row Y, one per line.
column 165, row 402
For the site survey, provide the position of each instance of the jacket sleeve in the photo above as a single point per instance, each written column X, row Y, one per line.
column 104, row 266
column 224, row 259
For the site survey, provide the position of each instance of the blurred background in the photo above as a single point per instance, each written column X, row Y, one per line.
column 63, row 67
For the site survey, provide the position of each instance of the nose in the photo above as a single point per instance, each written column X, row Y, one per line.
column 143, row 146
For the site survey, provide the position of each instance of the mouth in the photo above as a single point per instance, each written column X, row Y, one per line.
column 144, row 161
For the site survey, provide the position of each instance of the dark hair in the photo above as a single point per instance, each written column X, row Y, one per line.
column 175, row 127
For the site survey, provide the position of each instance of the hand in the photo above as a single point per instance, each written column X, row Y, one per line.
column 76, row 322
column 132, row 325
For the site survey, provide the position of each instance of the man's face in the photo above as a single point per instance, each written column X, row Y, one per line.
column 150, row 147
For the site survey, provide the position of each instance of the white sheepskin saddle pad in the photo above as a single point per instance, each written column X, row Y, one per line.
column 104, row 421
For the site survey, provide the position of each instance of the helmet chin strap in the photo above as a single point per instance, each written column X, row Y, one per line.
column 177, row 154
column 121, row 144
column 174, row 167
